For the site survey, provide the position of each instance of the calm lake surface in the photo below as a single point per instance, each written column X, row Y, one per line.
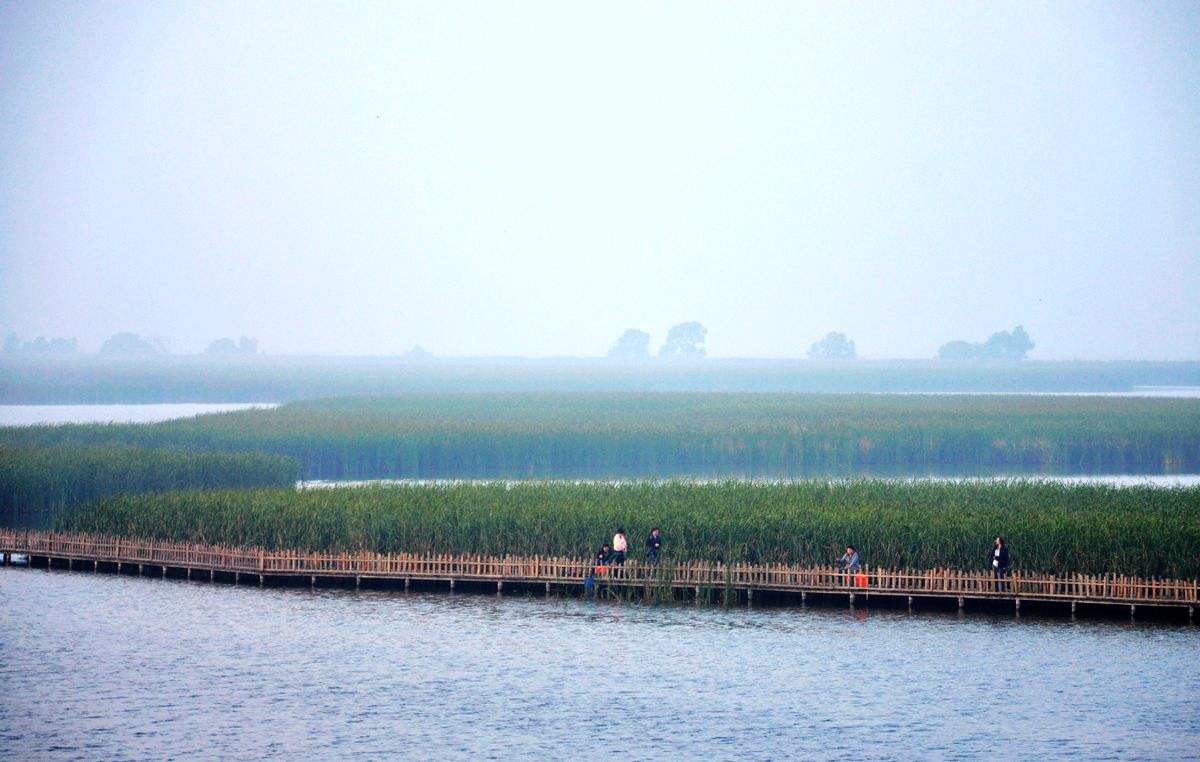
column 1112, row 480
column 1172, row 392
column 107, row 667
column 25, row 415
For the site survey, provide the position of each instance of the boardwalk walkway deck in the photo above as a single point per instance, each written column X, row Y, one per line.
column 743, row 580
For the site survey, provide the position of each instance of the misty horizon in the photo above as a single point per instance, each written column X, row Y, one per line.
column 15, row 346
column 531, row 181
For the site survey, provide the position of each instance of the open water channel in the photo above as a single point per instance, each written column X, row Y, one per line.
column 109, row 667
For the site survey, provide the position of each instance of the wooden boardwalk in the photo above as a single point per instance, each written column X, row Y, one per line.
column 741, row 580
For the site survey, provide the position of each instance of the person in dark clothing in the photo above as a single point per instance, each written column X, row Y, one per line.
column 654, row 545
column 1000, row 563
column 601, row 564
column 851, row 563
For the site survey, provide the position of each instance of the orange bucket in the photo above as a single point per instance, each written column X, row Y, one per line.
column 601, row 571
column 860, row 580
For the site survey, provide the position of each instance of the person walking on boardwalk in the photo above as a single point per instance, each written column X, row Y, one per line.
column 851, row 563
column 1000, row 563
column 653, row 546
column 619, row 546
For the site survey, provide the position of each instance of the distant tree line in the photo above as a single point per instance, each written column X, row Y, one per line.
column 243, row 346
column 123, row 344
column 1002, row 345
column 131, row 344
column 41, row 345
column 835, row 346
column 685, row 341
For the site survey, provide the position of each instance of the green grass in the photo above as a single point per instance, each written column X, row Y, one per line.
column 1051, row 528
column 661, row 435
column 35, row 482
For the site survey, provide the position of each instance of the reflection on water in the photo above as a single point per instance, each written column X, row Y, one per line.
column 122, row 667
column 25, row 415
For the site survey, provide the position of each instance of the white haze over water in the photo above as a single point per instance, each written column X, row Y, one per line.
column 534, row 178
column 29, row 415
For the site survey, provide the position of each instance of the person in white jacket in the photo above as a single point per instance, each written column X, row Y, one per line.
column 619, row 546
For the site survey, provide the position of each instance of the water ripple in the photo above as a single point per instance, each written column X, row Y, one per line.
column 128, row 668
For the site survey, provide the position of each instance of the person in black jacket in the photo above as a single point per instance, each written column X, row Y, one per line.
column 1000, row 562
column 653, row 545
column 604, row 555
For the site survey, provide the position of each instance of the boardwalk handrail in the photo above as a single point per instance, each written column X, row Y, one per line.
column 560, row 570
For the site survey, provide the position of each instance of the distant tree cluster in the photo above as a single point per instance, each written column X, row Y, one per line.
column 130, row 344
column 417, row 354
column 632, row 345
column 243, row 346
column 1002, row 345
column 835, row 346
column 41, row 345
column 685, row 341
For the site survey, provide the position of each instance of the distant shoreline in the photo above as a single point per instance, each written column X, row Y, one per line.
column 87, row 379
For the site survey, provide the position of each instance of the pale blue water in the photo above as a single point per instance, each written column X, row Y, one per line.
column 21, row 415
column 1112, row 480
column 24, row 415
column 106, row 667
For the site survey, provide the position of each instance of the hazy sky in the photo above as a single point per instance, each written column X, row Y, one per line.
column 534, row 178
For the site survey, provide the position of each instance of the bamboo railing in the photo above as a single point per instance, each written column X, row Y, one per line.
column 560, row 570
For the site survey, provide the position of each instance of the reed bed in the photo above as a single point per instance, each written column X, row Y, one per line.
column 37, row 481
column 1051, row 527
column 662, row 435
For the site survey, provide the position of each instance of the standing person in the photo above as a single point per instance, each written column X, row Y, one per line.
column 619, row 546
column 653, row 546
column 1000, row 563
column 851, row 563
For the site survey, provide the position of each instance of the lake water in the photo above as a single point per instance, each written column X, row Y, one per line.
column 24, row 415
column 1172, row 392
column 1112, row 480
column 106, row 667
